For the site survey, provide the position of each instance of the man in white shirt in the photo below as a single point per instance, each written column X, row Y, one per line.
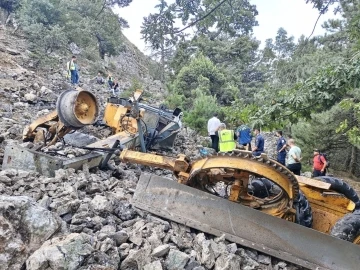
column 294, row 158
column 213, row 125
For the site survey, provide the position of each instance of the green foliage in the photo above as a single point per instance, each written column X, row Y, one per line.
column 320, row 132
column 203, row 108
column 52, row 38
column 202, row 74
column 223, row 36
column 239, row 112
column 10, row 5
column 173, row 98
column 53, row 24
column 350, row 126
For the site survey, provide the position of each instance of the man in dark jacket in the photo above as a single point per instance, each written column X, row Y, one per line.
column 281, row 148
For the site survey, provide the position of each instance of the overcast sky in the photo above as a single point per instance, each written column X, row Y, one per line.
column 295, row 16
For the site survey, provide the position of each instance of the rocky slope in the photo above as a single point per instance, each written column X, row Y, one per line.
column 84, row 220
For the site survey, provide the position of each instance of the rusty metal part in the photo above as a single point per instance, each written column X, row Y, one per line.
column 243, row 225
column 357, row 240
column 45, row 122
column 235, row 191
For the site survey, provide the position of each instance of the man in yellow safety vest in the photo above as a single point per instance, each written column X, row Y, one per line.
column 71, row 69
column 227, row 139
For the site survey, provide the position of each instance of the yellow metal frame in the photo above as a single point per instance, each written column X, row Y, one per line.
column 115, row 116
column 327, row 207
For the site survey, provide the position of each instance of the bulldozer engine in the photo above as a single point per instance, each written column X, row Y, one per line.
column 158, row 126
column 74, row 109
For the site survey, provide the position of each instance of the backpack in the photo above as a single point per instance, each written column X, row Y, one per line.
column 326, row 159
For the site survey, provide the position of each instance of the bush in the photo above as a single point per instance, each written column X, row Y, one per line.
column 203, row 108
column 238, row 113
column 174, row 99
column 10, row 5
column 52, row 24
column 200, row 73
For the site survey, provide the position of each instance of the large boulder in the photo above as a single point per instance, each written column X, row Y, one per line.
column 228, row 262
column 137, row 259
column 61, row 253
column 24, row 227
column 176, row 260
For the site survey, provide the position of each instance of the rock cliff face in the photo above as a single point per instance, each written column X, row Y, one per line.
column 84, row 220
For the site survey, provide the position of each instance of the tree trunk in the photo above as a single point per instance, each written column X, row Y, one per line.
column 352, row 167
column 162, row 62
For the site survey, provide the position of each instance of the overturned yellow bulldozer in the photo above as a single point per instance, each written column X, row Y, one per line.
column 254, row 201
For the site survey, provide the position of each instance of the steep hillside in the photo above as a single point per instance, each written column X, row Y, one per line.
column 26, row 87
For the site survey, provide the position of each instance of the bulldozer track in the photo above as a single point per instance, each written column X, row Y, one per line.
column 263, row 160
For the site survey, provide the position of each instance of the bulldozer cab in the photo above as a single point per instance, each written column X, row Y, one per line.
column 162, row 126
column 159, row 125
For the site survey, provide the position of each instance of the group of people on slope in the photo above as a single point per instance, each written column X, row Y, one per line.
column 113, row 84
column 288, row 153
column 73, row 74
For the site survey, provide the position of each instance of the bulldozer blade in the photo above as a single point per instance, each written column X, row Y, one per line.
column 244, row 225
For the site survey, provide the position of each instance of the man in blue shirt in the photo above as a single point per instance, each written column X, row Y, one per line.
column 259, row 143
column 243, row 133
column 280, row 148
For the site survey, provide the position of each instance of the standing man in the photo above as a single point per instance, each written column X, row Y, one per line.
column 110, row 81
column 244, row 136
column 213, row 125
column 294, row 158
column 77, row 69
column 71, row 68
column 280, row 148
column 319, row 164
column 227, row 139
column 259, row 143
